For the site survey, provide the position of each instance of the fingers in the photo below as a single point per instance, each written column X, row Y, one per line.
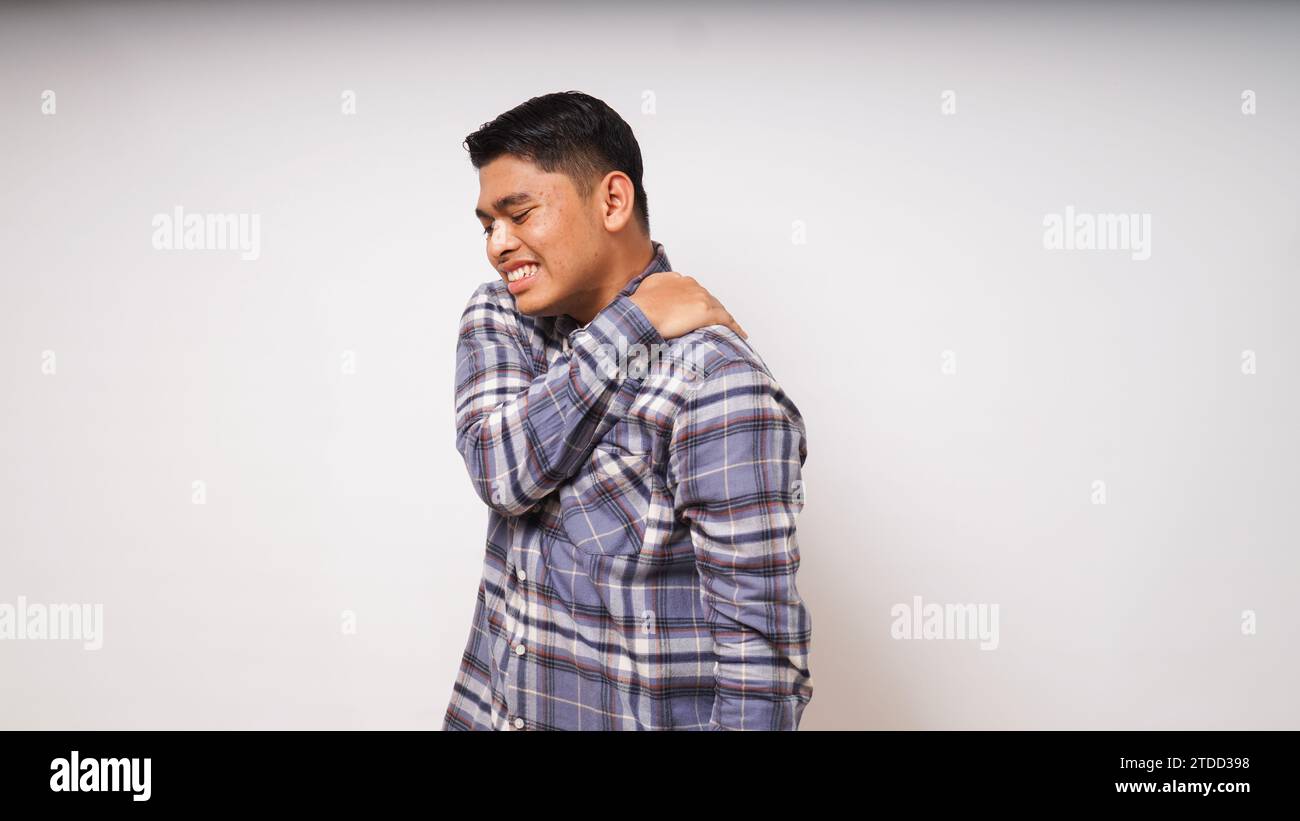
column 725, row 318
column 735, row 326
column 708, row 304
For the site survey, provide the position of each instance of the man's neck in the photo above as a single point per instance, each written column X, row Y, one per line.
column 624, row 265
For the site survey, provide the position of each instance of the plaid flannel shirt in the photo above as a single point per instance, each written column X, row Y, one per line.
column 641, row 547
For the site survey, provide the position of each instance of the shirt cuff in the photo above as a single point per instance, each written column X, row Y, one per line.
column 612, row 335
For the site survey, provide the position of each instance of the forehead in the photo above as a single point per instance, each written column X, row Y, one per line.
column 508, row 175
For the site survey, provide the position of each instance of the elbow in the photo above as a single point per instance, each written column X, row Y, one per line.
column 508, row 507
column 491, row 486
column 496, row 497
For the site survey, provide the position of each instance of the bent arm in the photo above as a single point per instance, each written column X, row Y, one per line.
column 521, row 435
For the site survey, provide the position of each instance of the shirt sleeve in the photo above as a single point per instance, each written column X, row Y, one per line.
column 522, row 435
column 735, row 472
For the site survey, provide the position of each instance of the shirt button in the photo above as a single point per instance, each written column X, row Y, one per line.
column 521, row 575
column 519, row 723
column 519, row 649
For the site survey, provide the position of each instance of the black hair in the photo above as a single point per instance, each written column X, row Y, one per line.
column 569, row 132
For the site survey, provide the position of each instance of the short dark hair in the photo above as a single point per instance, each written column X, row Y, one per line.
column 569, row 132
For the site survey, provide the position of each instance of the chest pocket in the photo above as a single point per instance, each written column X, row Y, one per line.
column 605, row 507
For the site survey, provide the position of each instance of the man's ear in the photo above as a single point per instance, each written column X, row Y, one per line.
column 617, row 200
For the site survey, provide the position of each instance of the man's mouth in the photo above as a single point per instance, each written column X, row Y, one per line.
column 522, row 278
column 523, row 272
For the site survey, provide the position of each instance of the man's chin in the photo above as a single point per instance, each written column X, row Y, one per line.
column 530, row 305
column 539, row 301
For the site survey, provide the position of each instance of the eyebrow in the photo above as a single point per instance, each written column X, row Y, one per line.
column 505, row 202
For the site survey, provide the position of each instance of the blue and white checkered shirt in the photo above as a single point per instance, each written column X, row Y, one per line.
column 641, row 547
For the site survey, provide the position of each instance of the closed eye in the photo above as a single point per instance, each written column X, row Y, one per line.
column 516, row 219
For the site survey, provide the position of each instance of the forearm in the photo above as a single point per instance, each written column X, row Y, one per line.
column 522, row 436
column 761, row 638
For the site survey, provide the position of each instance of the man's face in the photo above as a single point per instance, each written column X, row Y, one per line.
column 534, row 217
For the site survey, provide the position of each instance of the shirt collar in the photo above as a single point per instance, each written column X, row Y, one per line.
column 566, row 324
column 657, row 264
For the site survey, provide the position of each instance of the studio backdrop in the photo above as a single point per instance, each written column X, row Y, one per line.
column 1028, row 271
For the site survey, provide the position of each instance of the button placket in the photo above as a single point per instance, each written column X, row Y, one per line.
column 519, row 597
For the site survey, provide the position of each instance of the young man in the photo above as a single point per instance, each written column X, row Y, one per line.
column 641, row 550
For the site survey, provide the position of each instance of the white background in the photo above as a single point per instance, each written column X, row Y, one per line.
column 329, row 492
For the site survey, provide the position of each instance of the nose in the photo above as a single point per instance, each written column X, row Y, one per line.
column 500, row 241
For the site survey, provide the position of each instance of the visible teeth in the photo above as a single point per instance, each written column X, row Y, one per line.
column 521, row 272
